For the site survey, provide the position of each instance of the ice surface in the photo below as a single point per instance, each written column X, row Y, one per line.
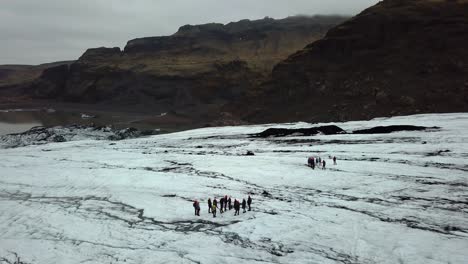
column 392, row 198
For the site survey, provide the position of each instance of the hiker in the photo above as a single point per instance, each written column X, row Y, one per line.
column 209, row 205
column 319, row 160
column 196, row 206
column 311, row 162
column 221, row 202
column 249, row 201
column 230, row 203
column 215, row 202
column 236, row 207
column 225, row 203
column 334, row 160
column 323, row 164
column 213, row 209
column 243, row 205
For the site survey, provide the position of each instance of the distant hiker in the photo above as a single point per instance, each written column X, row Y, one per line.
column 215, row 202
column 213, row 209
column 319, row 160
column 196, row 206
column 323, row 164
column 334, row 160
column 243, row 205
column 225, row 203
column 230, row 203
column 236, row 207
column 209, row 205
column 249, row 201
column 221, row 207
column 311, row 161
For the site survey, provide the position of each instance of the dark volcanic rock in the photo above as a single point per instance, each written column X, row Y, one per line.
column 397, row 57
column 391, row 129
column 281, row 132
column 125, row 133
column 52, row 82
column 250, row 153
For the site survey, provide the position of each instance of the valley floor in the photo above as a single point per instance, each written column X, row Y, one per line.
column 392, row 198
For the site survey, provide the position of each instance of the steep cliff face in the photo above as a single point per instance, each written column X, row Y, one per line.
column 398, row 57
column 260, row 43
column 17, row 81
column 207, row 64
column 12, row 76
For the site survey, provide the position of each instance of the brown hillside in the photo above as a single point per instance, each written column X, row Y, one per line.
column 397, row 57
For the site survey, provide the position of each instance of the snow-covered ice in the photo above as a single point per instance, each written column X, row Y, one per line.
column 392, row 198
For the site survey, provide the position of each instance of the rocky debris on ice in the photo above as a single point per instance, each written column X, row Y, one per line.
column 391, row 129
column 281, row 132
column 43, row 135
column 335, row 130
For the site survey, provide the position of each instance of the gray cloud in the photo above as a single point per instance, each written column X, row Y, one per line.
column 35, row 32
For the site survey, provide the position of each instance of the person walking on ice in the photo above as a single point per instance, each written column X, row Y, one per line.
column 243, row 205
column 225, row 203
column 323, row 164
column 311, row 162
column 334, row 160
column 196, row 206
column 249, row 202
column 236, row 207
column 209, row 205
column 213, row 210
column 221, row 207
column 230, row 203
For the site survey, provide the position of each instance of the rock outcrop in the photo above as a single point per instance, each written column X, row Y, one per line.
column 282, row 132
column 397, row 57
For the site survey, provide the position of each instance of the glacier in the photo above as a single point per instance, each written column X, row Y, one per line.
column 392, row 198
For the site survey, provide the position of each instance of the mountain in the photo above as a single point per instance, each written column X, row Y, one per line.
column 397, row 57
column 12, row 74
column 197, row 70
column 14, row 78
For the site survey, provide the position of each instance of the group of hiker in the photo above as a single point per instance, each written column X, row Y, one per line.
column 225, row 203
column 319, row 162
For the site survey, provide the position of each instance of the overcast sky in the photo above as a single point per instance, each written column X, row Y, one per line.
column 39, row 31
